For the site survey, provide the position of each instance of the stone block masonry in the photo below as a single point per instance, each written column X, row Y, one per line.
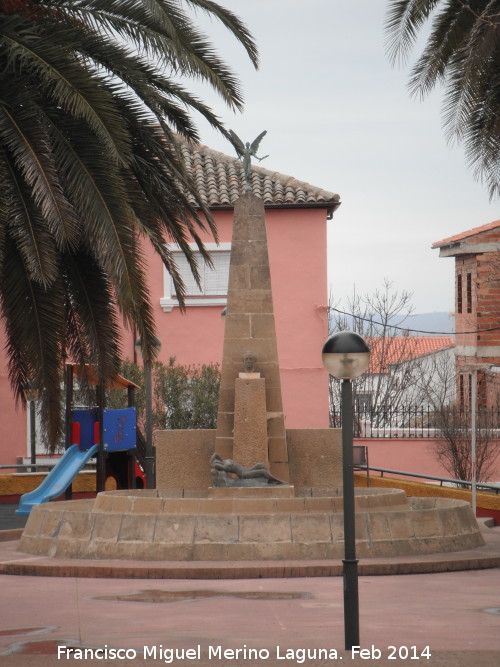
column 247, row 528
column 250, row 327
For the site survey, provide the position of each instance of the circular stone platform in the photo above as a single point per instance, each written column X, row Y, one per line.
column 241, row 525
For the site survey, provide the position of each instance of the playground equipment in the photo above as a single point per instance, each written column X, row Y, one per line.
column 110, row 435
column 59, row 478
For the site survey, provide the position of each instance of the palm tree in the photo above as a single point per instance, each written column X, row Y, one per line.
column 463, row 52
column 90, row 113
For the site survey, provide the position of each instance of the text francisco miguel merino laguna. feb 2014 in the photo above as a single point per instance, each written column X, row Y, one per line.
column 299, row 655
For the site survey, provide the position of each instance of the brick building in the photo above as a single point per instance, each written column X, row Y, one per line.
column 477, row 310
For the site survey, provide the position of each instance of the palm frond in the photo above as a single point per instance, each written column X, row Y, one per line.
column 92, row 102
column 404, row 20
column 24, row 140
column 93, row 331
column 28, row 231
column 462, row 52
column 48, row 64
column 166, row 33
column 34, row 319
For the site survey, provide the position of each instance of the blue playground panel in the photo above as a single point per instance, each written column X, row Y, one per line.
column 119, row 429
column 86, row 418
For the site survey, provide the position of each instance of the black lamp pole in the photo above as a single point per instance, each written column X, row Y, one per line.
column 31, row 394
column 350, row 562
column 148, row 382
column 346, row 356
column 32, row 413
column 149, row 458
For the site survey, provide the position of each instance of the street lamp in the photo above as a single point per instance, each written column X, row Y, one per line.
column 31, row 395
column 149, row 458
column 346, row 356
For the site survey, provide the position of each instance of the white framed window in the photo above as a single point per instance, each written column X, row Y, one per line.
column 213, row 288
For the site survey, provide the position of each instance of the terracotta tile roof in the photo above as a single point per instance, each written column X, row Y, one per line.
column 220, row 181
column 467, row 234
column 385, row 352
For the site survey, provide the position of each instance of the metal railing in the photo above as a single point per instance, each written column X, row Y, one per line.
column 29, row 467
column 40, row 467
column 459, row 483
column 410, row 421
column 46, row 466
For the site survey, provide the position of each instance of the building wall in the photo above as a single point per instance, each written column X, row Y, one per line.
column 485, row 304
column 488, row 305
column 482, row 299
column 425, row 379
column 465, row 299
column 13, row 431
column 297, row 251
column 410, row 455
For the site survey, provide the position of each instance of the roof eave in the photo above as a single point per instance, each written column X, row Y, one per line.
column 330, row 207
column 464, row 248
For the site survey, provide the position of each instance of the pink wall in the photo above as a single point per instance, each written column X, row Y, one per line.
column 297, row 255
column 13, row 428
column 409, row 454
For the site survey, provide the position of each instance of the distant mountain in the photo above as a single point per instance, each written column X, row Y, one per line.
column 434, row 323
column 420, row 324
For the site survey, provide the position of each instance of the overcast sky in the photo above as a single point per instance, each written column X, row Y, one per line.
column 339, row 116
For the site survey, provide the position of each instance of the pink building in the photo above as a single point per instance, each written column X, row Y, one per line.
column 296, row 215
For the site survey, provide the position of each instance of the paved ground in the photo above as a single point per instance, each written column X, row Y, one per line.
column 8, row 517
column 452, row 614
column 455, row 614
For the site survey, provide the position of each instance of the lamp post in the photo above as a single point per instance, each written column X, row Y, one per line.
column 31, row 395
column 473, row 440
column 149, row 458
column 474, row 369
column 346, row 356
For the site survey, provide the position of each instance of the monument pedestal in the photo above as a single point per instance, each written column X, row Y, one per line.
column 250, row 420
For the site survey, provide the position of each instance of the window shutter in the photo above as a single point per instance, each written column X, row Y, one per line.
column 186, row 275
column 216, row 279
column 213, row 281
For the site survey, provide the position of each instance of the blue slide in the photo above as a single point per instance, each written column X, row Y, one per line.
column 58, row 480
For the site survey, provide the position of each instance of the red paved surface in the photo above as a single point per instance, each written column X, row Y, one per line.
column 445, row 612
column 453, row 613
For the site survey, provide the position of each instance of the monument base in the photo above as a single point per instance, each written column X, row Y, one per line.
column 151, row 525
column 271, row 491
column 315, row 458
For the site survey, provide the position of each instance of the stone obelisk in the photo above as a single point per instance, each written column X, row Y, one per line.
column 250, row 422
